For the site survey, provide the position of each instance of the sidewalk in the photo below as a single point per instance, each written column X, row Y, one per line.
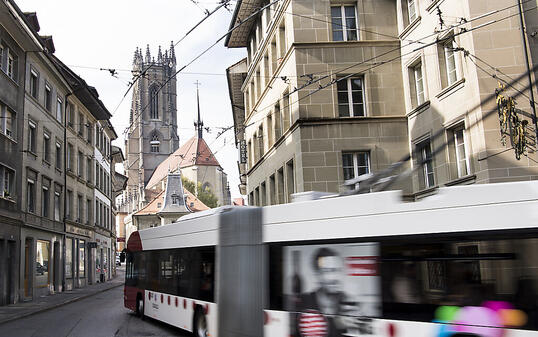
column 22, row 309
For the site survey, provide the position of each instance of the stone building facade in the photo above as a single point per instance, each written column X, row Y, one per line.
column 13, row 43
column 302, row 133
column 455, row 78
column 51, row 115
column 333, row 89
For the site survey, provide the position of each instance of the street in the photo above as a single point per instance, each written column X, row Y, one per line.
column 100, row 315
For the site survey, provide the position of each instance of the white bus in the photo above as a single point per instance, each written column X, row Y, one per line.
column 463, row 262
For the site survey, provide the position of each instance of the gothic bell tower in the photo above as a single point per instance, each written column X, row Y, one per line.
column 152, row 134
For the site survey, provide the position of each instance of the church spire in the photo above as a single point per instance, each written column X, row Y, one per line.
column 199, row 125
column 160, row 56
column 172, row 52
column 148, row 55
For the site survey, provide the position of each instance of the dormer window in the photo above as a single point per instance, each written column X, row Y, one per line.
column 155, row 143
column 175, row 199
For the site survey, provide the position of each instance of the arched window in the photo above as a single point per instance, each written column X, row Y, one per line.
column 153, row 103
column 155, row 143
column 206, row 187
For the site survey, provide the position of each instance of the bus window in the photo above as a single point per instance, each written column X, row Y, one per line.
column 418, row 278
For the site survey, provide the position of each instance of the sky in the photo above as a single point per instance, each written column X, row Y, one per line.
column 89, row 35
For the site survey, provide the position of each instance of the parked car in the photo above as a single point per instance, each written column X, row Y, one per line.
column 40, row 269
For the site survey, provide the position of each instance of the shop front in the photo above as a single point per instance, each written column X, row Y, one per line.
column 41, row 263
column 77, row 256
column 103, row 257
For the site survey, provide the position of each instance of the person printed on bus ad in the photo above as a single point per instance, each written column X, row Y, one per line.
column 328, row 308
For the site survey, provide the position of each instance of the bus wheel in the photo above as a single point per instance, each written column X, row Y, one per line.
column 200, row 324
column 140, row 306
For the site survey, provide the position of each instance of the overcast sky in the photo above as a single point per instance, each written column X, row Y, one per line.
column 89, row 35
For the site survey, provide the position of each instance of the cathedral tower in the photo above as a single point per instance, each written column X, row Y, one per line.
column 152, row 134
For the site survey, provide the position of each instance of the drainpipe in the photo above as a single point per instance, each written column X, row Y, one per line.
column 65, row 186
column 525, row 51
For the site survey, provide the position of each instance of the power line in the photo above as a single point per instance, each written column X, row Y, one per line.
column 250, row 17
column 336, row 80
column 223, row 3
column 386, row 174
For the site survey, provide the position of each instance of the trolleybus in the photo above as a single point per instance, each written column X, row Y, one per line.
column 463, row 262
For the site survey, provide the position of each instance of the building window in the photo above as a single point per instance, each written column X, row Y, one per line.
column 56, row 206
column 11, row 66
column 7, row 119
column 42, row 264
column 59, row 110
column 88, row 211
column 79, row 208
column 30, row 190
column 81, row 124
column 344, row 23
column 7, row 181
column 69, row 205
column 458, row 151
column 447, row 63
column 80, row 168
column 355, row 164
column 46, row 147
column 411, row 10
column 70, row 114
column 175, row 199
column 2, row 52
column 45, row 202
column 81, row 258
column 34, row 83
column 278, row 121
column 69, row 157
column 32, row 137
column 290, row 179
column 58, row 156
column 48, row 97
column 350, row 97
column 68, row 257
column 155, row 143
column 89, row 169
column 261, row 149
column 416, row 81
column 89, row 132
column 425, row 159
column 154, row 102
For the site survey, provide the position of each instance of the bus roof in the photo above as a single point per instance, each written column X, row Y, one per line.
column 453, row 209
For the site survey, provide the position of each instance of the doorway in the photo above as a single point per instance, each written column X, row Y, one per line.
column 56, row 267
column 28, row 264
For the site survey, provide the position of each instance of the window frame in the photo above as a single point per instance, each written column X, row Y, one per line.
column 34, row 85
column 46, row 146
column 356, row 166
column 465, row 159
column 4, row 112
column 448, row 50
column 343, row 18
column 412, row 4
column 48, row 97
column 32, row 136
column 30, row 196
column 350, row 103
column 7, row 177
column 59, row 109
column 421, row 147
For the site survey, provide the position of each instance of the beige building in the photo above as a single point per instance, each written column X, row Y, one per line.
column 301, row 132
column 444, row 88
column 330, row 90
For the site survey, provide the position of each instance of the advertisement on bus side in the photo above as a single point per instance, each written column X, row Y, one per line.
column 332, row 290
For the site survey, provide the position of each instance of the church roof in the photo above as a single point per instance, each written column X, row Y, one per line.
column 194, row 152
column 155, row 205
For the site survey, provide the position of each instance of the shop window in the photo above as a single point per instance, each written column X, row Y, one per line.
column 42, row 266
